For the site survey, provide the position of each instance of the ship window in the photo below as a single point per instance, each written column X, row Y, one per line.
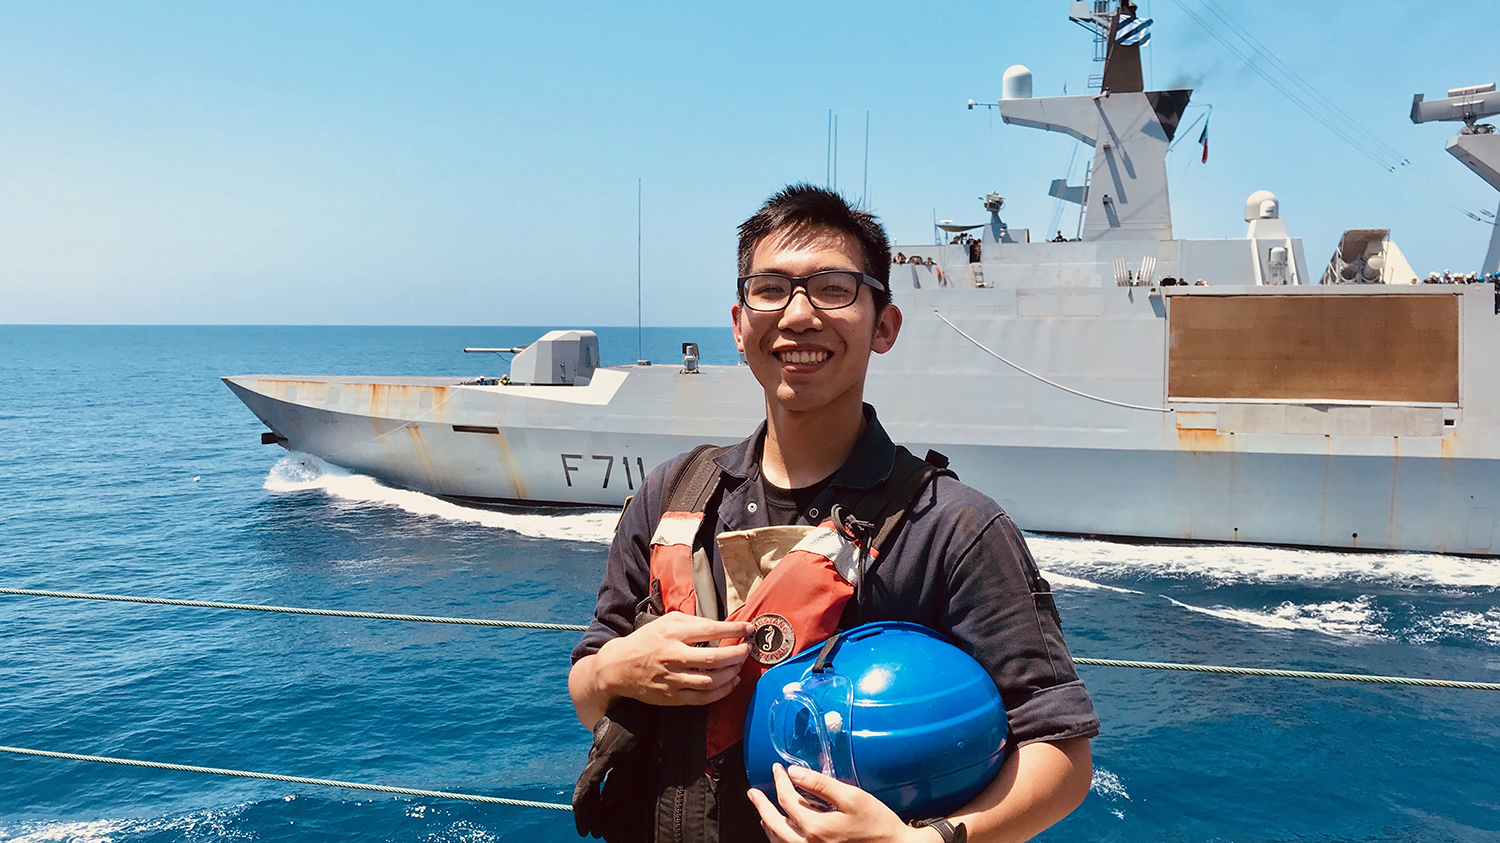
column 1307, row 348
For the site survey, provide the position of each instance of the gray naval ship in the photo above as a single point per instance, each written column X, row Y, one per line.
column 1124, row 383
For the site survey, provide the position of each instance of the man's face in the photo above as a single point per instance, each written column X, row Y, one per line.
column 808, row 359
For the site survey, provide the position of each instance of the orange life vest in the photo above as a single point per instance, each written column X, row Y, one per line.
column 795, row 580
column 794, row 583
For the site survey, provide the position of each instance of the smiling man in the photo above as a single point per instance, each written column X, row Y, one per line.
column 731, row 560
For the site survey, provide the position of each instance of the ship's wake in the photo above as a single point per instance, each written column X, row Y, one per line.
column 1357, row 618
column 1131, row 571
column 1239, row 564
column 1366, row 618
column 300, row 473
column 1419, row 598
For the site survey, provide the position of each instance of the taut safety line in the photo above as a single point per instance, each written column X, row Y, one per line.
column 248, row 774
column 1296, row 674
column 568, row 627
column 292, row 610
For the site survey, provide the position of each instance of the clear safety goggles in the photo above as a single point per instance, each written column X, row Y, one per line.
column 810, row 724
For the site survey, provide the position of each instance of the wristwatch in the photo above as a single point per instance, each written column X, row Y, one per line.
column 951, row 833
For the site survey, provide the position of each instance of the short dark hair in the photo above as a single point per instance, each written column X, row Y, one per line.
column 804, row 206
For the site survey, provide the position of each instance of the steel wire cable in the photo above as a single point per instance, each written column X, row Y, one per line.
column 250, row 774
column 1387, row 158
column 1295, row 674
column 982, row 347
column 1183, row 133
column 1381, row 159
column 1297, row 79
column 293, row 610
column 562, row 627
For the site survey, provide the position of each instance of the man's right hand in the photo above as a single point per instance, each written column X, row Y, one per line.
column 659, row 664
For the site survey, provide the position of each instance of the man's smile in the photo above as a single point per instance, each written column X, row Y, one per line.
column 802, row 356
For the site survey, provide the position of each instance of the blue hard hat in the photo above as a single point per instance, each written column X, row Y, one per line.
column 890, row 707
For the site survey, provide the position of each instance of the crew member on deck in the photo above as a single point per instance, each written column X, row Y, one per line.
column 662, row 672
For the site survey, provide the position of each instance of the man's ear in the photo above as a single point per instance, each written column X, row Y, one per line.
column 739, row 340
column 887, row 326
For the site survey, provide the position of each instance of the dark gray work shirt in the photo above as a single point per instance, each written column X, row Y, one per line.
column 959, row 566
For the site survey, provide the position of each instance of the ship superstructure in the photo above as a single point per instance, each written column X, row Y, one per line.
column 1477, row 144
column 1123, row 383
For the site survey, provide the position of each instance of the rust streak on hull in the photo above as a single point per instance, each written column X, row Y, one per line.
column 1189, row 439
column 512, row 468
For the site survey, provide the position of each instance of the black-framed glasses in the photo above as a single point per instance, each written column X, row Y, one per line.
column 828, row 290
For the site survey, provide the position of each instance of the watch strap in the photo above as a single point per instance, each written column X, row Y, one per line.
column 950, row 832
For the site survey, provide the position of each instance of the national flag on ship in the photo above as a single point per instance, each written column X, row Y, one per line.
column 1203, row 139
column 1133, row 32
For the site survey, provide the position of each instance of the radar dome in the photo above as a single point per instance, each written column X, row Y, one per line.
column 1262, row 205
column 1016, row 83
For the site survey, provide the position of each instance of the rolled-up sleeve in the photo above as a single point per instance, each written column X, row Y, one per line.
column 1000, row 609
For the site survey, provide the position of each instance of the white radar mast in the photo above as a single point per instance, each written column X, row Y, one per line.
column 1477, row 145
column 1129, row 128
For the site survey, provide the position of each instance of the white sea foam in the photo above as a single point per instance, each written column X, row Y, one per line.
column 1070, row 562
column 1483, row 627
column 1358, row 618
column 1055, row 579
column 296, row 473
column 214, row 824
column 93, row 831
column 1107, row 786
column 1232, row 564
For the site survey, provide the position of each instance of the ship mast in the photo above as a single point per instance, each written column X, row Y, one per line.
column 1121, row 55
column 1477, row 144
column 1128, row 127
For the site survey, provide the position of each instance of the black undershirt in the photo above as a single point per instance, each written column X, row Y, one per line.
column 791, row 506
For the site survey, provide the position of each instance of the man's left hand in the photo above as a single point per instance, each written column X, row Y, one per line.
column 854, row 816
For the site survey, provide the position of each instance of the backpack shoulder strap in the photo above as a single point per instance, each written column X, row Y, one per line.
column 886, row 507
column 875, row 516
column 695, row 481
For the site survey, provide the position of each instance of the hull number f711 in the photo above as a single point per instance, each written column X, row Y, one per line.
column 572, row 463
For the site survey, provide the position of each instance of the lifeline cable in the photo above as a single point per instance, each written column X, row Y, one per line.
column 564, row 627
column 1295, row 674
column 292, row 610
column 249, row 774
column 1029, row 373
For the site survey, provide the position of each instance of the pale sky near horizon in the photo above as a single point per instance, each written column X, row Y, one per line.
column 455, row 163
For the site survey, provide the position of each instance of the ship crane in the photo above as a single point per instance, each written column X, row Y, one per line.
column 1477, row 145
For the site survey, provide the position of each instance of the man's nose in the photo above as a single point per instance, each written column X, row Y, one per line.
column 799, row 314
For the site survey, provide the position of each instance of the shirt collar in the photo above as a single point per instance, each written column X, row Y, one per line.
column 868, row 464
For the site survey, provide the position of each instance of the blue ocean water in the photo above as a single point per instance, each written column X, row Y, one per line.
column 126, row 467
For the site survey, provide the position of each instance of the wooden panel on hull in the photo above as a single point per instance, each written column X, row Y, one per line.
column 1401, row 348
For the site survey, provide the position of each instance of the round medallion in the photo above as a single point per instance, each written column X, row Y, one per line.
column 773, row 640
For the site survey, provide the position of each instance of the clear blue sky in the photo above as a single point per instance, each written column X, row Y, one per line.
column 369, row 163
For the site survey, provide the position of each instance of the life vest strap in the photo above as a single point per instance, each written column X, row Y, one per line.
column 696, row 480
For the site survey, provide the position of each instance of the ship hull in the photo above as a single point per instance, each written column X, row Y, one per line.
column 1341, row 501
column 1421, row 478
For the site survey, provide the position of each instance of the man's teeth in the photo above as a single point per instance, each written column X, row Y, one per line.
column 803, row 356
